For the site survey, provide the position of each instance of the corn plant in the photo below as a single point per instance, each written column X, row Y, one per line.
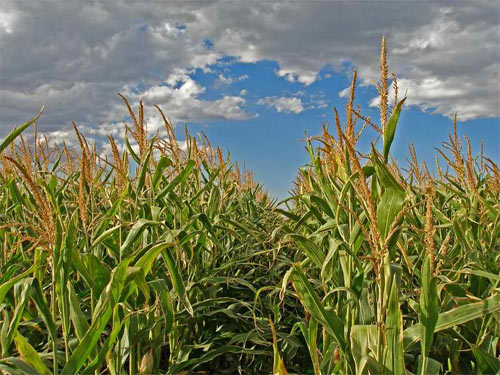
column 108, row 270
column 398, row 270
column 156, row 258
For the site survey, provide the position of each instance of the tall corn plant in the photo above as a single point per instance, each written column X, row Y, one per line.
column 157, row 259
column 152, row 271
column 400, row 273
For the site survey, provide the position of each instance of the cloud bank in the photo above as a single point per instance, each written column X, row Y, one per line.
column 76, row 56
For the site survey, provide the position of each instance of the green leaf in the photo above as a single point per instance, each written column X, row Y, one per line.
column 455, row 317
column 363, row 344
column 101, row 316
column 99, row 273
column 21, row 292
column 486, row 362
column 79, row 266
column 144, row 168
column 312, row 303
column 43, row 308
column 181, row 177
column 384, row 176
column 15, row 133
column 394, row 333
column 163, row 163
column 131, row 150
column 88, row 342
column 491, row 276
column 135, row 279
column 432, row 367
column 177, row 280
column 212, row 354
column 146, row 261
column 134, row 234
column 389, row 207
column 30, row 355
column 390, row 128
column 312, row 250
column 160, row 286
column 310, row 332
column 108, row 344
column 77, row 317
column 429, row 307
column 104, row 235
column 370, row 366
column 5, row 287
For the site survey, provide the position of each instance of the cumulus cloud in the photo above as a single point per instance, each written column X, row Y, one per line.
column 226, row 80
column 283, row 104
column 183, row 103
column 434, row 47
column 75, row 57
column 436, row 96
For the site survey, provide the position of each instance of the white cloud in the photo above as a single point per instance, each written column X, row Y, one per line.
column 75, row 57
column 182, row 102
column 225, row 80
column 345, row 92
column 319, row 102
column 454, row 45
column 283, row 104
column 80, row 56
column 292, row 76
column 448, row 100
column 6, row 21
column 222, row 79
column 182, row 145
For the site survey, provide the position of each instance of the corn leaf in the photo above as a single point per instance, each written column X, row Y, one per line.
column 312, row 303
column 390, row 128
column 455, row 317
column 30, row 355
column 15, row 133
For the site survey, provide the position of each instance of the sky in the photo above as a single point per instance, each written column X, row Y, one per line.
column 255, row 76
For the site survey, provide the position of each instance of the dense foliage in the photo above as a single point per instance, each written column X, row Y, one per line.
column 166, row 259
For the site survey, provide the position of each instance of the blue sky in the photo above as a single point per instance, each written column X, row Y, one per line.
column 255, row 76
column 271, row 144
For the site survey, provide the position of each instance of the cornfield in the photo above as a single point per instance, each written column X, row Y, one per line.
column 159, row 259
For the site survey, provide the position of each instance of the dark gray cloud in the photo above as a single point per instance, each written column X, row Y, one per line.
column 75, row 56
